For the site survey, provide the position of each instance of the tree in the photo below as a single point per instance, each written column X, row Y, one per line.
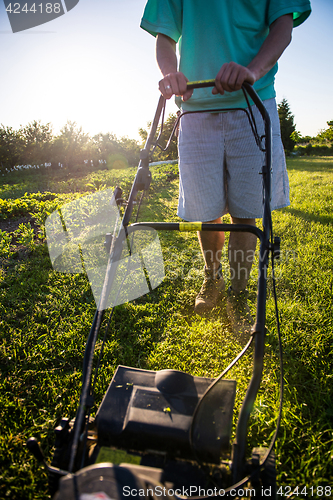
column 11, row 147
column 72, row 145
column 109, row 148
column 326, row 135
column 105, row 144
column 296, row 136
column 130, row 149
column 287, row 125
column 306, row 139
column 37, row 142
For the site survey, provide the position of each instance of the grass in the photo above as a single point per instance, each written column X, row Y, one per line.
column 46, row 316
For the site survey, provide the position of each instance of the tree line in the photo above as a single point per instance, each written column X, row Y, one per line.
column 293, row 141
column 36, row 145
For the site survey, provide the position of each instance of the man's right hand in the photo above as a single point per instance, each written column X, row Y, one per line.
column 175, row 84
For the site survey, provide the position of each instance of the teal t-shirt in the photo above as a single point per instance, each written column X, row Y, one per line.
column 213, row 32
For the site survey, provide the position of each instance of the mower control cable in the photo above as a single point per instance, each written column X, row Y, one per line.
column 248, row 478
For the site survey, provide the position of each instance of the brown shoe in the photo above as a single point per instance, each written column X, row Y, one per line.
column 212, row 288
column 239, row 312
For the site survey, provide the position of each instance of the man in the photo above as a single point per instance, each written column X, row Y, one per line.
column 232, row 41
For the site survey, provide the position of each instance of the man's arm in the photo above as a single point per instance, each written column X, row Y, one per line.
column 231, row 75
column 174, row 82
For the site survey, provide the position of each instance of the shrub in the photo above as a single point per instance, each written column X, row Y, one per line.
column 5, row 244
column 25, row 235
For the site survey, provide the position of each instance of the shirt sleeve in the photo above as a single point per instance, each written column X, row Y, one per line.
column 300, row 9
column 163, row 16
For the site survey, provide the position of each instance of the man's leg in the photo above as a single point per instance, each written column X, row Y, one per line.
column 241, row 254
column 241, row 251
column 211, row 244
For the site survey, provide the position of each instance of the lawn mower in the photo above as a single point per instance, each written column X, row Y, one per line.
column 157, row 433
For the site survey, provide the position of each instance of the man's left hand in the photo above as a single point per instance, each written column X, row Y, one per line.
column 231, row 77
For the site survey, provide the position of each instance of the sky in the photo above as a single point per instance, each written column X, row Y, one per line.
column 96, row 67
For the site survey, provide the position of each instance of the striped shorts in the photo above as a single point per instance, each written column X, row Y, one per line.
column 220, row 165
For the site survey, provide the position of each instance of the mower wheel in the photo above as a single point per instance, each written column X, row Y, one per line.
column 264, row 482
column 61, row 453
column 52, row 477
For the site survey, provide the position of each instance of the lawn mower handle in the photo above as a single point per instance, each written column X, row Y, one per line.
column 143, row 177
column 141, row 183
column 200, row 84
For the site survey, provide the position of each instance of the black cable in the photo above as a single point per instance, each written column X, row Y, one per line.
column 253, row 123
column 237, row 358
column 248, row 478
column 248, row 111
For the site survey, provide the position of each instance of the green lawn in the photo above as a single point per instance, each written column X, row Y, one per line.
column 45, row 318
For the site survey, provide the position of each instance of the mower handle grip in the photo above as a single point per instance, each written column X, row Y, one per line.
column 246, row 87
column 200, row 84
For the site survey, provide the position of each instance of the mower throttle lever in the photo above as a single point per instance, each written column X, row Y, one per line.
column 143, row 179
column 118, row 192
